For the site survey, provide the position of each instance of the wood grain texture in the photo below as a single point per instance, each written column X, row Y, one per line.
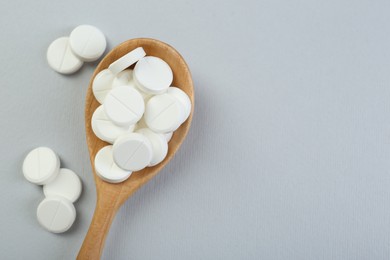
column 111, row 196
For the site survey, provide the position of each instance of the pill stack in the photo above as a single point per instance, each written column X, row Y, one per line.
column 61, row 187
column 139, row 112
column 67, row 55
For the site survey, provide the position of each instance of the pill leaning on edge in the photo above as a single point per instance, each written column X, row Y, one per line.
column 124, row 105
column 132, row 152
column 127, row 60
column 56, row 214
column 41, row 165
column 61, row 58
column 87, row 42
column 107, row 169
column 66, row 185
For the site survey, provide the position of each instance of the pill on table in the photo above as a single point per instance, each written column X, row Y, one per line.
column 168, row 136
column 105, row 129
column 61, row 58
column 102, row 84
column 87, row 42
column 107, row 169
column 66, row 185
column 183, row 98
column 124, row 105
column 56, row 214
column 132, row 152
column 164, row 113
column 159, row 145
column 123, row 78
column 41, row 166
column 152, row 75
column 127, row 60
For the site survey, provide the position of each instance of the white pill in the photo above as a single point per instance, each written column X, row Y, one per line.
column 102, row 84
column 124, row 105
column 123, row 78
column 61, row 58
column 107, row 169
column 132, row 152
column 41, row 166
column 159, row 145
column 87, row 42
column 67, row 185
column 168, row 136
column 164, row 113
column 153, row 75
column 56, row 214
column 127, row 60
column 183, row 98
column 105, row 129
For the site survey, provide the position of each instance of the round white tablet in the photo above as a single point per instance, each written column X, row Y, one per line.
column 168, row 136
column 123, row 78
column 124, row 105
column 105, row 129
column 107, row 169
column 183, row 98
column 153, row 75
column 87, row 42
column 102, row 84
column 61, row 58
column 159, row 145
column 164, row 113
column 41, row 166
column 132, row 152
column 56, row 214
column 67, row 185
column 127, row 60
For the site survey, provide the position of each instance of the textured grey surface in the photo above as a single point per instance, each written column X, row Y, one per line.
column 288, row 157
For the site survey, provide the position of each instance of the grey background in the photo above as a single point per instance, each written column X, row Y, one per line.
column 288, row 156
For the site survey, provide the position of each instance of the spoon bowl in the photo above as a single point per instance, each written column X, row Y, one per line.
column 111, row 196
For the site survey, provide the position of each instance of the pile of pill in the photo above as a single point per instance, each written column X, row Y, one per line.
column 67, row 55
column 139, row 112
column 61, row 187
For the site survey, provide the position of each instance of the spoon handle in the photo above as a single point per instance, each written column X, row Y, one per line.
column 107, row 205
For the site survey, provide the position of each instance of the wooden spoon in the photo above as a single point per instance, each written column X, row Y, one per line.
column 111, row 196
